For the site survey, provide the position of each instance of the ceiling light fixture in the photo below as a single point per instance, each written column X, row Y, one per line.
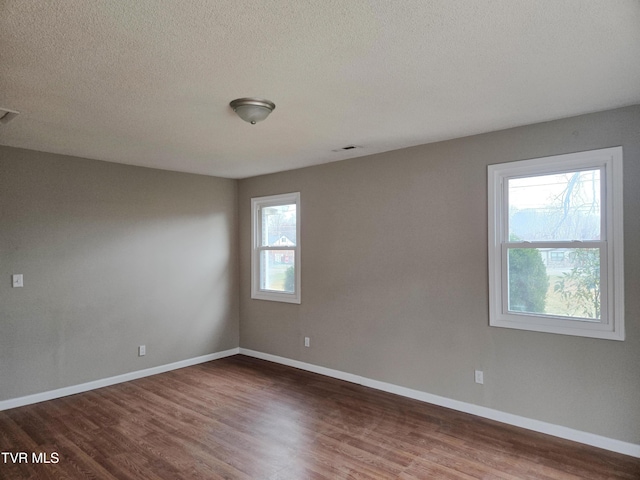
column 252, row 110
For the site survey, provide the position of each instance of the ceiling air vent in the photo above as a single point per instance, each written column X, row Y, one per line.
column 348, row 147
column 7, row 115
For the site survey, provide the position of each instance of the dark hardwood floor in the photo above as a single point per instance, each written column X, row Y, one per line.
column 242, row 418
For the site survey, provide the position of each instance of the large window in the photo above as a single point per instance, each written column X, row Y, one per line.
column 275, row 266
column 555, row 244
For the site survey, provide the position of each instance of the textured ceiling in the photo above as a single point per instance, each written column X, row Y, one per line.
column 149, row 82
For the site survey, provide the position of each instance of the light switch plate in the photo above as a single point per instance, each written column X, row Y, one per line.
column 17, row 280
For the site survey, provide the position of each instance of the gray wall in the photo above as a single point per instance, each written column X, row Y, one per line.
column 113, row 256
column 394, row 279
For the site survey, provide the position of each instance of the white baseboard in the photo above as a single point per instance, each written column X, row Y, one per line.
column 105, row 382
column 503, row 417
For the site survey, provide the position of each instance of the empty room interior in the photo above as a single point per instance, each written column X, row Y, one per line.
column 307, row 240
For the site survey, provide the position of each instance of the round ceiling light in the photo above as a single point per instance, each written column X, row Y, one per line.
column 252, row 110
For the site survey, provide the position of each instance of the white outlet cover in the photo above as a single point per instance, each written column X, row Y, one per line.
column 479, row 376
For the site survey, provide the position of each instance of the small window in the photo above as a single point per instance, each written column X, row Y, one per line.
column 555, row 244
column 275, row 267
column 557, row 256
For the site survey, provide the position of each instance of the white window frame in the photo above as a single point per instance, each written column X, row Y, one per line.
column 611, row 324
column 256, row 234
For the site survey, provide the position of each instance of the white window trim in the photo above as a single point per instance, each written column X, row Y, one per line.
column 612, row 266
column 270, row 201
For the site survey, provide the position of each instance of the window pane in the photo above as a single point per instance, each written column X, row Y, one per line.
column 555, row 281
column 278, row 270
column 278, row 226
column 562, row 206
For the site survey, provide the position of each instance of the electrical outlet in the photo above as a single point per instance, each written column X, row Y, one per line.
column 307, row 342
column 479, row 377
column 142, row 351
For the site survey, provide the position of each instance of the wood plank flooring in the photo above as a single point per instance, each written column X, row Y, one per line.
column 243, row 418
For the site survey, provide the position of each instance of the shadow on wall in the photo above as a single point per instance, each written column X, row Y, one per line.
column 113, row 256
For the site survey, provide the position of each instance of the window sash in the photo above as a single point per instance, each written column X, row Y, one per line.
column 539, row 318
column 260, row 225
column 263, row 273
column 504, row 215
